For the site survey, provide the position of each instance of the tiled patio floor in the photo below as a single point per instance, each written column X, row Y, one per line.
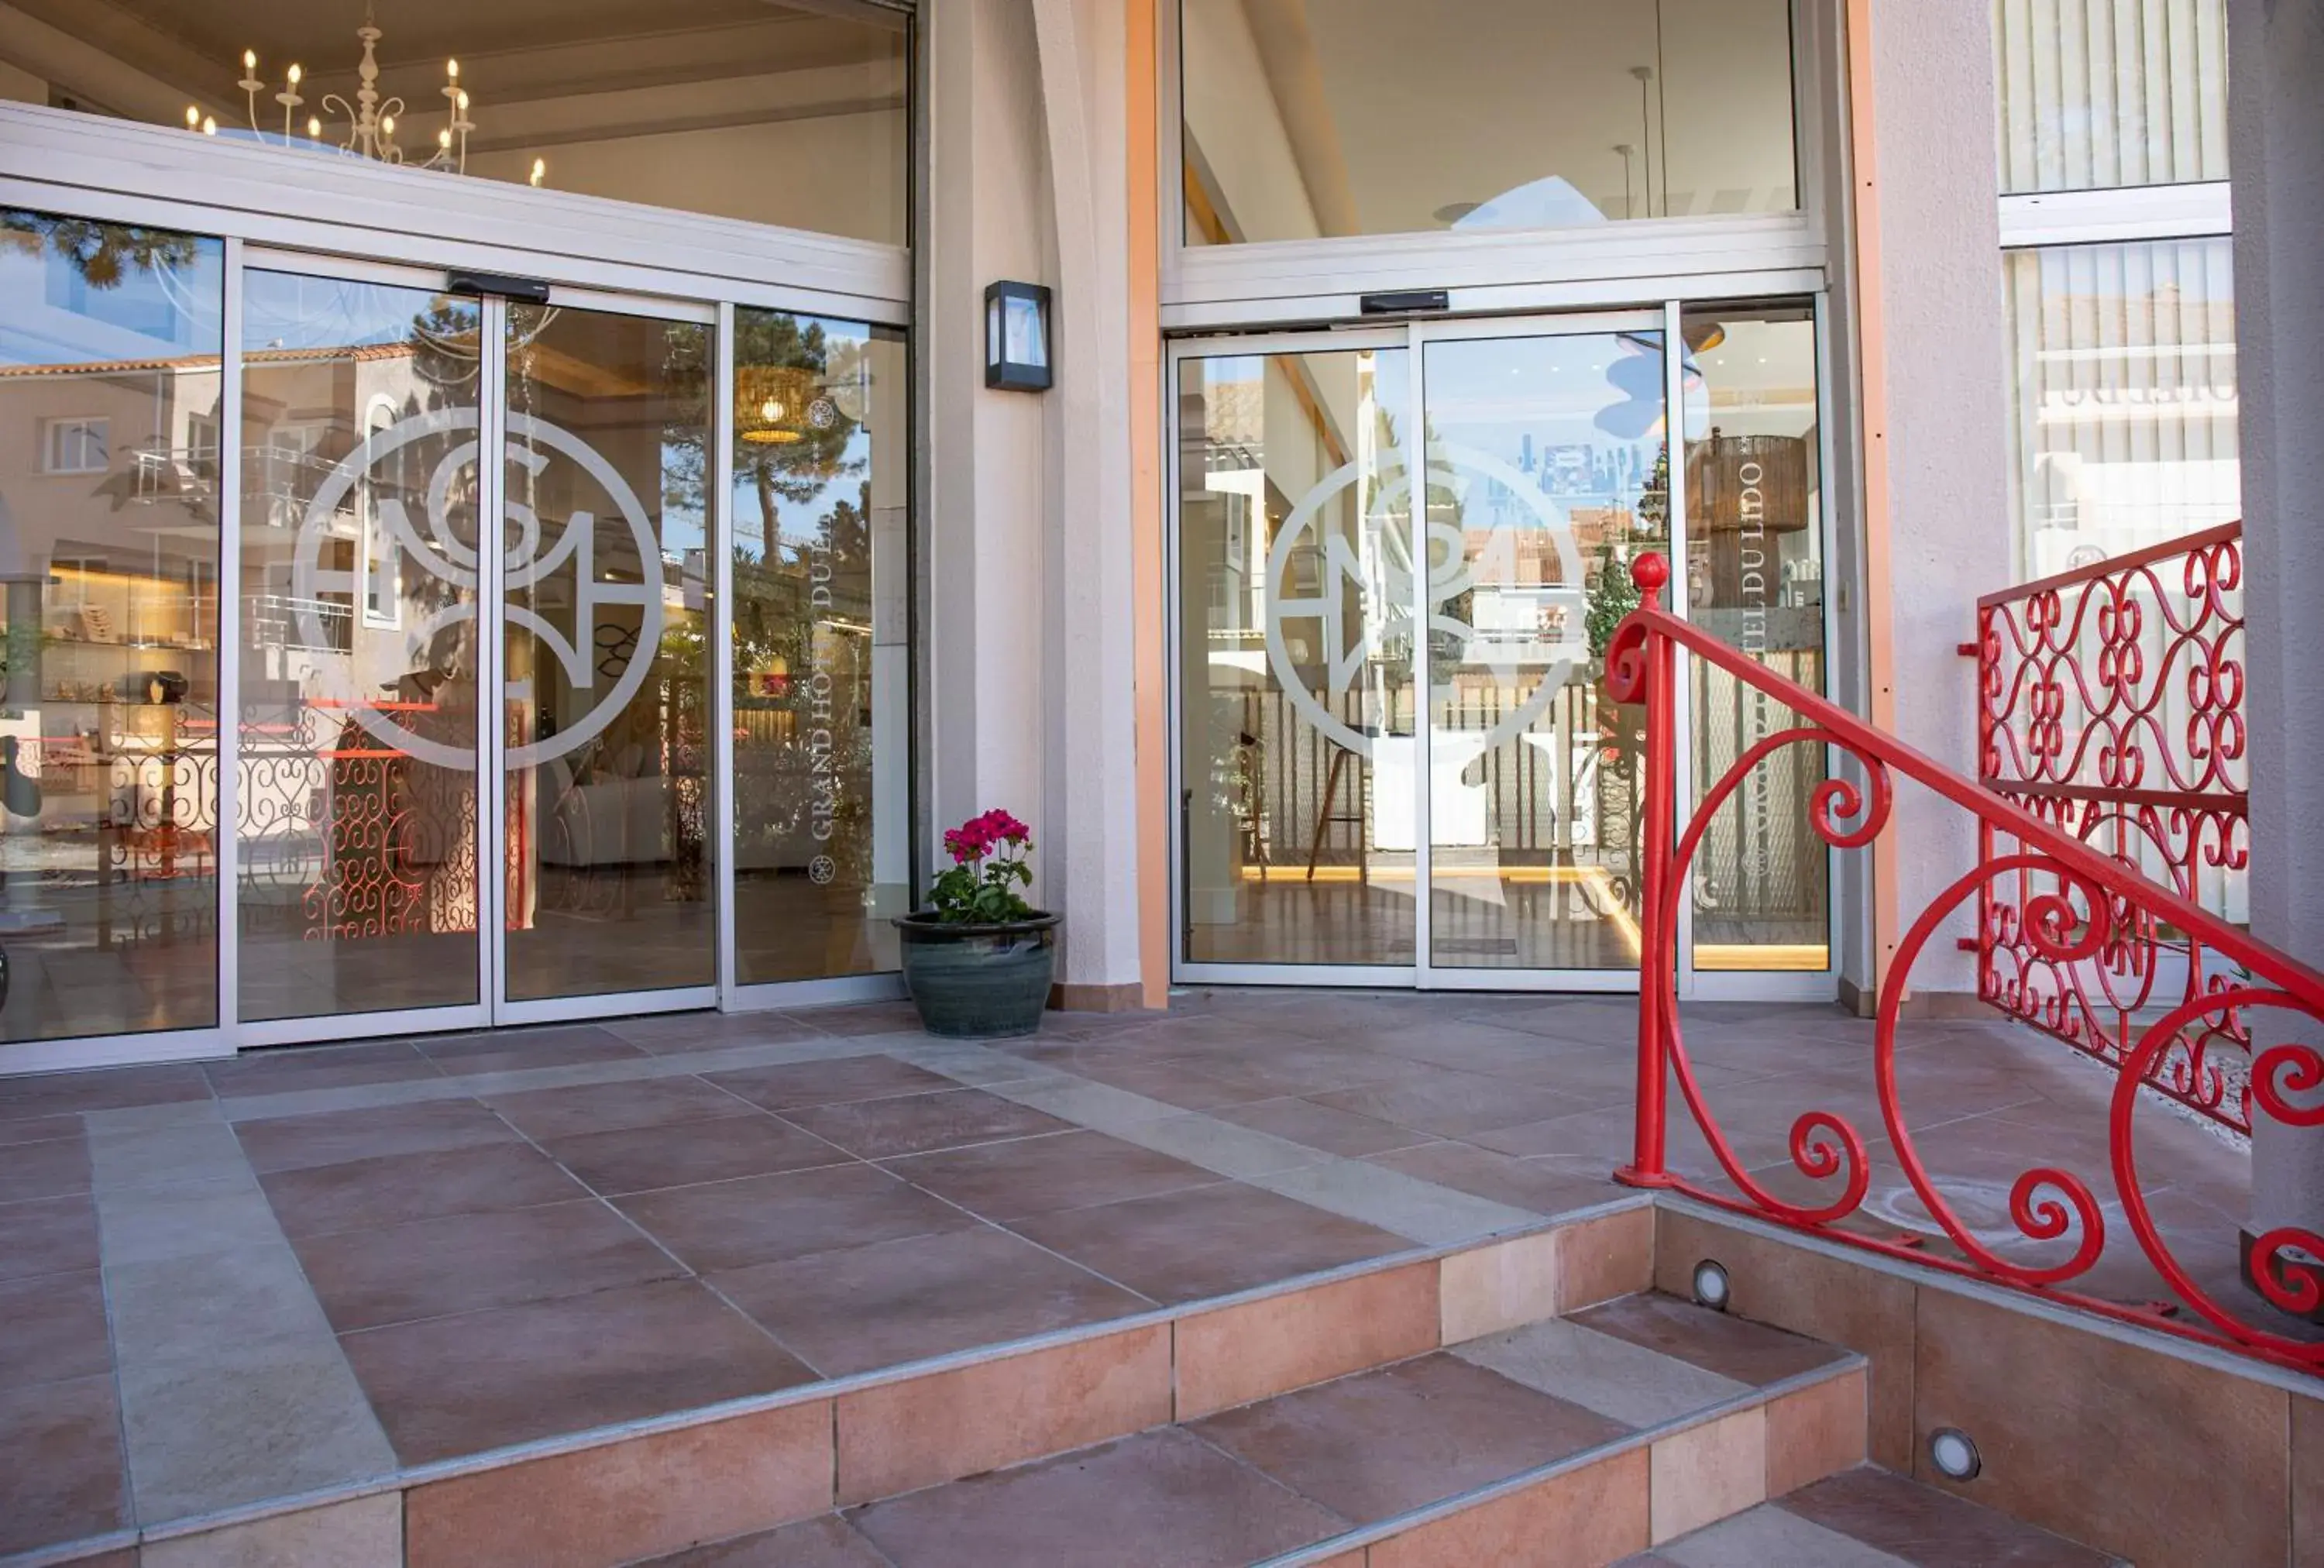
column 248, row 1280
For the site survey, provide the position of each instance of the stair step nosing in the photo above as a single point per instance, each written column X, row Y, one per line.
column 1645, row 1437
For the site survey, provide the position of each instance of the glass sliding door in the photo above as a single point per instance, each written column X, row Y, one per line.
column 1327, row 829
column 357, row 819
column 1546, row 475
column 1297, row 754
column 606, row 872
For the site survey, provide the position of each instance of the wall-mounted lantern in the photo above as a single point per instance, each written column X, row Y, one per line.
column 1016, row 337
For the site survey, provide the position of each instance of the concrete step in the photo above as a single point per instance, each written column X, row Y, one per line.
column 626, row 1494
column 1869, row 1517
column 1578, row 1439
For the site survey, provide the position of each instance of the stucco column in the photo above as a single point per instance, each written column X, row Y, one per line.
column 2277, row 148
column 1938, row 229
column 1091, row 712
column 1028, row 591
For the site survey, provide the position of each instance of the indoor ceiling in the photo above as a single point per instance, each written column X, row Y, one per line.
column 510, row 50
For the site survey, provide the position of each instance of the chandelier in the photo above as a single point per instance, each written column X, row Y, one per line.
column 370, row 120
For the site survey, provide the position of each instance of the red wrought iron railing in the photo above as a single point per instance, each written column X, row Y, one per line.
column 2097, row 901
column 2110, row 705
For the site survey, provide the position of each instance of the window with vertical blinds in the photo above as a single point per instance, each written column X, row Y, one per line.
column 2099, row 95
column 2122, row 397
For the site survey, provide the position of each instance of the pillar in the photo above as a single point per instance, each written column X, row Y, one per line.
column 2276, row 152
column 1936, row 232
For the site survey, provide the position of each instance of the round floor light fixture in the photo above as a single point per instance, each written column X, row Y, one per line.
column 1710, row 1285
column 1954, row 1453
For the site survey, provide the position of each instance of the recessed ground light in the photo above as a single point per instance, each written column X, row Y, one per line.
column 1710, row 1288
column 1954, row 1453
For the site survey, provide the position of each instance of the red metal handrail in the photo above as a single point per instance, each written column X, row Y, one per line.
column 2097, row 896
column 2110, row 703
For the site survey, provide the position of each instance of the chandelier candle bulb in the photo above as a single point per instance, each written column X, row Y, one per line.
column 369, row 117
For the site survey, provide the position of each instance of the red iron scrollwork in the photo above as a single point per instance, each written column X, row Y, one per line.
column 2081, row 902
column 2110, row 706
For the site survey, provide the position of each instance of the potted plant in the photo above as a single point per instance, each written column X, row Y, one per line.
column 978, row 961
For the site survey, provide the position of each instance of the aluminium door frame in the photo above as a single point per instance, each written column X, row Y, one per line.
column 244, row 258
column 593, row 253
column 511, row 1010
column 1411, row 336
column 1430, row 974
column 1176, row 353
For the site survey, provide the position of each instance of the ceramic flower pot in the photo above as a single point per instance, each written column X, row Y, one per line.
column 979, row 983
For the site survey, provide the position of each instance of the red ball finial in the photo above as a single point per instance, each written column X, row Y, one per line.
column 1651, row 573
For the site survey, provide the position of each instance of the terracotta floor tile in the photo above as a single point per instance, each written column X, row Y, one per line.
column 866, row 1307
column 640, row 1160
column 877, row 1017
column 335, row 1137
column 1452, row 1104
column 38, row 1129
column 515, row 1050
column 99, row 1089
column 546, row 1113
column 1375, row 1444
column 291, row 1070
column 1340, row 1132
column 462, row 1262
column 1043, row 1175
column 1928, row 1528
column 48, row 1236
column 829, row 1542
column 766, row 1219
column 918, row 1123
column 1546, row 1189
column 1471, row 1045
column 394, row 1189
column 1161, row 1499
column 670, row 1033
column 1733, row 1347
column 792, row 1085
column 61, row 1469
column 484, row 1380
column 53, row 1328
column 49, row 1169
column 1208, row 1240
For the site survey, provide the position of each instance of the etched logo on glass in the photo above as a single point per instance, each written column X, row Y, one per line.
column 535, row 551
column 1481, row 609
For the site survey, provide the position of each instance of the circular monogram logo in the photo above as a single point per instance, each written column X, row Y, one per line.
column 534, row 551
column 1496, row 599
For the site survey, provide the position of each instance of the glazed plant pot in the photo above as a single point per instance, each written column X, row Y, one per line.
column 979, row 983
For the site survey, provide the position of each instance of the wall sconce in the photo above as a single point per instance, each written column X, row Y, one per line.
column 1016, row 337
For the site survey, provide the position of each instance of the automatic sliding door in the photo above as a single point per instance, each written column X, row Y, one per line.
column 1547, row 473
column 1297, row 754
column 357, row 820
column 606, row 872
